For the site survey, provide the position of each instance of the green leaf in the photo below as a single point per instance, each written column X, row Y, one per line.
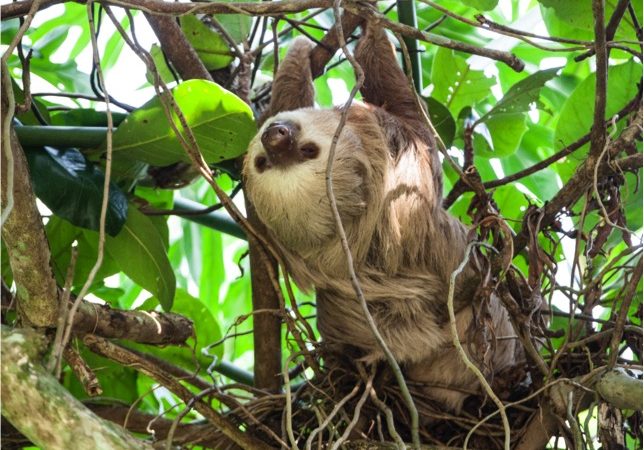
column 574, row 18
column 521, row 95
column 114, row 46
column 72, row 188
column 140, row 252
column 482, row 5
column 455, row 84
column 161, row 65
column 502, row 137
column 117, row 381
column 61, row 235
column 210, row 46
column 222, row 123
column 8, row 28
column 442, row 120
column 576, row 117
column 507, row 132
column 237, row 25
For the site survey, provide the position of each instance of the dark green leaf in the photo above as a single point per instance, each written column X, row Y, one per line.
column 442, row 120
column 72, row 188
column 140, row 253
column 521, row 95
column 85, row 117
column 210, row 46
column 61, row 235
column 221, row 122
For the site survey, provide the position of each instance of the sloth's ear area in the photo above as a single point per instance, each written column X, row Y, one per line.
column 293, row 83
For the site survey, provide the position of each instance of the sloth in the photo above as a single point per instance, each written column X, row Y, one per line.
column 387, row 181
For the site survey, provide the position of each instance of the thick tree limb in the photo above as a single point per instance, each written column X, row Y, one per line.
column 138, row 326
column 267, row 337
column 329, row 44
column 42, row 409
column 161, row 7
column 24, row 236
column 498, row 55
column 620, row 389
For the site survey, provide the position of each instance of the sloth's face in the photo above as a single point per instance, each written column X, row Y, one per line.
column 285, row 172
column 290, row 139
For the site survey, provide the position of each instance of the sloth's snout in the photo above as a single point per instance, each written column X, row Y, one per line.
column 279, row 141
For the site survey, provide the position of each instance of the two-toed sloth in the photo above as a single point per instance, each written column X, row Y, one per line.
column 387, row 181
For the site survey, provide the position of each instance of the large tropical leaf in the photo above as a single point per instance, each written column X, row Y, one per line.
column 222, row 123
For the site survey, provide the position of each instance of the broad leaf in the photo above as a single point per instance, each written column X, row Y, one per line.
column 578, row 14
column 140, row 252
column 237, row 25
column 507, row 132
column 521, row 95
column 222, row 123
column 576, row 116
column 61, row 235
column 442, row 120
column 210, row 46
column 72, row 188
column 455, row 84
column 482, row 5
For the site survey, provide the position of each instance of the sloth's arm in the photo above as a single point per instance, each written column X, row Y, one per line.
column 293, row 84
column 385, row 83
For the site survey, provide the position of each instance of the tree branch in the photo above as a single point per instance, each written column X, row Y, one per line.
column 24, row 237
column 138, row 326
column 620, row 389
column 42, row 409
column 380, row 19
column 176, row 47
column 125, row 357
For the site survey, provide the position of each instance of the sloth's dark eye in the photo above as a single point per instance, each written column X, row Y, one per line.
column 261, row 163
column 310, row 151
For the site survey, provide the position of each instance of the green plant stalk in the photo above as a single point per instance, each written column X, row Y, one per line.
column 407, row 16
column 60, row 136
column 235, row 373
column 216, row 220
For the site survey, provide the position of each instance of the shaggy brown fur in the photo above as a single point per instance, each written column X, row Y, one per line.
column 388, row 186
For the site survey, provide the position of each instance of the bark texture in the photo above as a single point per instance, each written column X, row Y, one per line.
column 43, row 410
column 24, row 236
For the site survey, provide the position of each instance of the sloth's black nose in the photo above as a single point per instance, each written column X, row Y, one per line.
column 278, row 139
